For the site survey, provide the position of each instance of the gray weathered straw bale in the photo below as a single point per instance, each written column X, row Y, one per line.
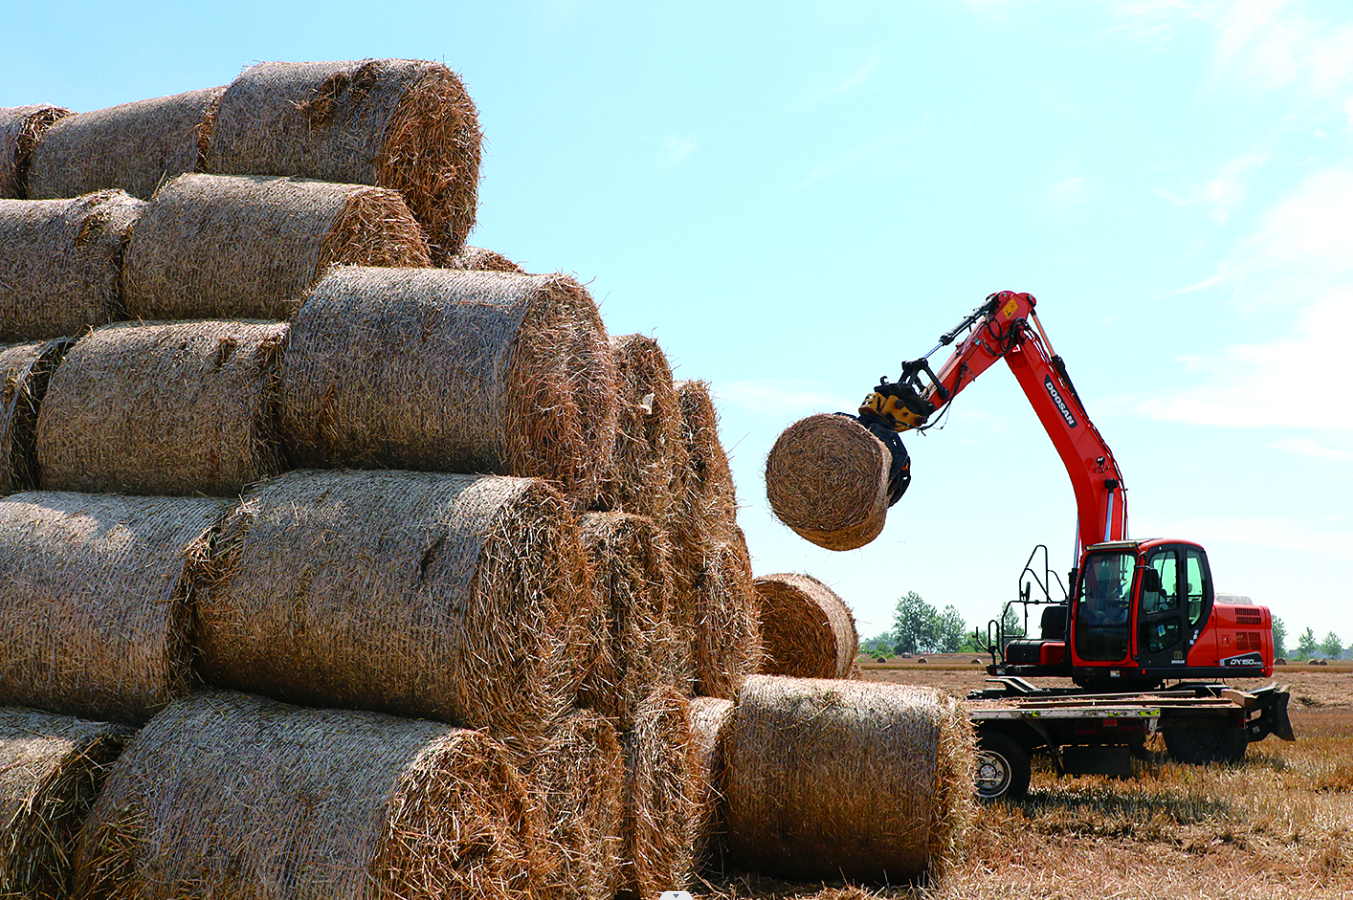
column 403, row 124
column 711, row 719
column 164, row 408
column 24, row 372
column 451, row 371
column 216, row 246
column 861, row 780
column 94, row 594
column 483, row 260
column 51, row 768
column 461, row 597
column 134, row 147
column 21, row 127
column 806, row 629
column 827, row 479
column 724, row 617
column 661, row 797
column 61, row 263
column 231, row 796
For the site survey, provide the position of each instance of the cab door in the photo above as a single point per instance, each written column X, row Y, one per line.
column 1163, row 609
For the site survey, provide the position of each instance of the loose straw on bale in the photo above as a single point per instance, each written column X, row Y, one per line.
column 166, row 408
column 460, row 597
column 806, row 629
column 211, row 246
column 861, row 780
column 51, row 768
column 60, row 263
column 226, row 795
column 133, row 147
column 21, row 127
column 451, row 371
column 94, row 616
column 711, row 719
column 661, row 798
column 724, row 617
column 402, row 124
column 482, row 260
column 827, row 479
column 25, row 370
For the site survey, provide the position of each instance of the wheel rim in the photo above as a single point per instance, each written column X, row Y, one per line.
column 994, row 774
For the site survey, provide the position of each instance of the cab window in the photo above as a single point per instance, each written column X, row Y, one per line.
column 1197, row 584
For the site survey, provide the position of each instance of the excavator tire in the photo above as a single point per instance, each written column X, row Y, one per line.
column 1202, row 744
column 1002, row 767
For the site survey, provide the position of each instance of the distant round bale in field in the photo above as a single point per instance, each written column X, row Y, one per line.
column 827, row 479
column 24, row 373
column 661, row 797
column 215, row 246
column 403, row 124
column 806, row 629
column 227, row 795
column 21, row 127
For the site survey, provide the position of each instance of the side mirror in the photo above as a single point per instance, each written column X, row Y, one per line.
column 1150, row 580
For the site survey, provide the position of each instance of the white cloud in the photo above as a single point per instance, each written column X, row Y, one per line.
column 851, row 82
column 1310, row 449
column 1274, row 43
column 1276, row 533
column 786, row 398
column 1072, row 192
column 1223, row 193
column 677, row 148
column 849, row 157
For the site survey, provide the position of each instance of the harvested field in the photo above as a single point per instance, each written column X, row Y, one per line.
column 133, row 147
column 219, row 247
column 226, row 795
column 806, row 628
column 407, row 125
column 172, row 408
column 662, row 799
column 481, row 260
column 724, row 617
column 21, row 127
column 24, row 373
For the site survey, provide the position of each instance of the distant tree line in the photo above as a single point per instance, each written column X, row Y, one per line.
column 1308, row 645
column 918, row 627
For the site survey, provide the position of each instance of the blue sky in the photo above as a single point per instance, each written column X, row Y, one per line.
column 794, row 197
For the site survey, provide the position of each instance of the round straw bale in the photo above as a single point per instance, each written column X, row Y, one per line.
column 465, row 598
column 51, row 768
column 704, row 504
column 711, row 718
column 164, row 408
column 725, row 618
column 861, row 780
column 94, row 594
column 827, row 479
column 480, row 259
column 134, row 147
column 402, row 124
column 806, row 629
column 661, row 798
column 21, row 127
column 451, row 371
column 227, row 795
column 24, row 370
column 214, row 246
column 60, row 263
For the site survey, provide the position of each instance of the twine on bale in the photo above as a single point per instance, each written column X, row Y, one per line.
column 227, row 795
column 21, row 127
column 459, row 597
column 724, row 616
column 51, row 769
column 661, row 800
column 133, row 147
column 806, row 629
column 827, row 479
column 408, row 125
column 861, row 780
column 24, row 371
column 210, row 246
column 480, row 259
column 61, row 262
column 94, row 617
column 711, row 719
column 167, row 408
column 451, row 371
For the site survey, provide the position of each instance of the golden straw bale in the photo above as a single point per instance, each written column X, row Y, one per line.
column 403, row 124
column 451, row 371
column 24, row 373
column 51, row 768
column 724, row 617
column 21, row 127
column 133, row 147
column 711, row 719
column 460, row 597
column 164, row 408
column 215, row 246
column 231, row 796
column 480, row 259
column 827, row 479
column 661, row 797
column 847, row 779
column 94, row 603
column 61, row 263
column 704, row 504
column 806, row 629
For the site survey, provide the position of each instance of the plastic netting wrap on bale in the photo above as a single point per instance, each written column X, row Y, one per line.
column 133, row 147
column 164, row 408
column 403, row 124
column 661, row 797
column 481, row 259
column 24, row 372
column 451, row 371
column 212, row 246
column 461, row 597
column 51, row 768
column 861, row 780
column 724, row 617
column 711, row 718
column 94, row 594
column 61, row 262
column 827, row 479
column 21, row 127
column 231, row 796
column 806, row 629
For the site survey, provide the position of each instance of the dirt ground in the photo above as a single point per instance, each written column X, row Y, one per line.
column 1279, row 824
